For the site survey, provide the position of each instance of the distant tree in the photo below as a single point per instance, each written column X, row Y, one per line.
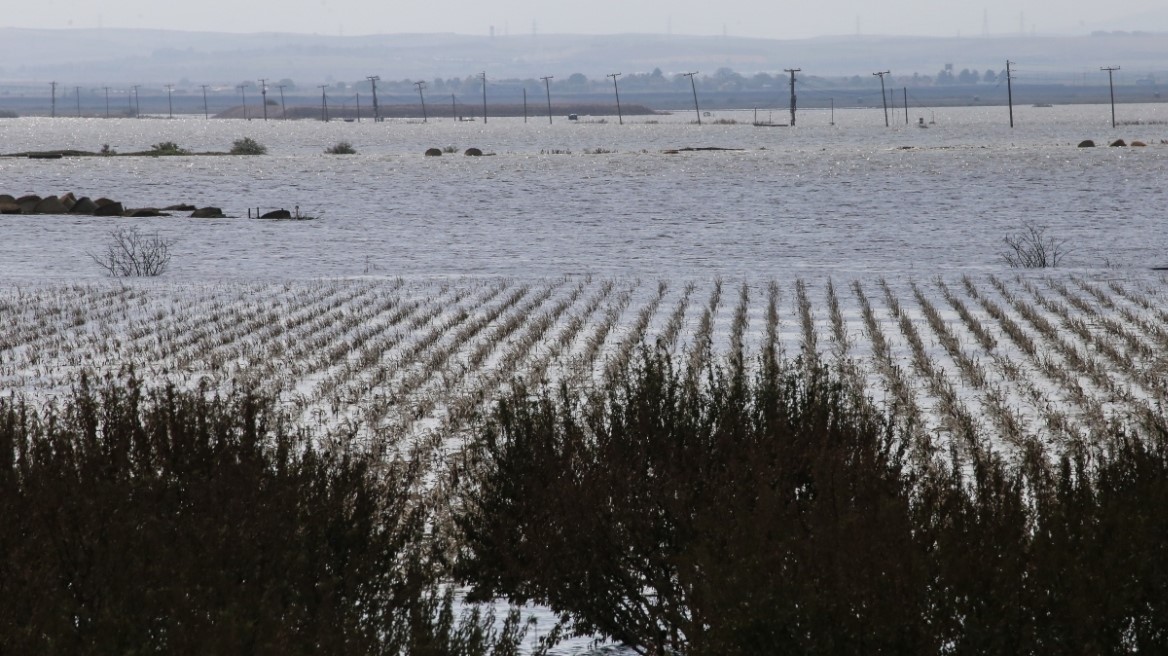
column 967, row 76
column 989, row 77
column 288, row 84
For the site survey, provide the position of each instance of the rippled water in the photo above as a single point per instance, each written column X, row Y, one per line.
column 847, row 198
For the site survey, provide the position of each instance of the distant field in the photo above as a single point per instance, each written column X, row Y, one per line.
column 1002, row 359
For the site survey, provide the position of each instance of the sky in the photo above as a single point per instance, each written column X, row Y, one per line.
column 747, row 18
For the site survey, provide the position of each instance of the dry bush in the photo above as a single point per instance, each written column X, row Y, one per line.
column 1031, row 248
column 132, row 253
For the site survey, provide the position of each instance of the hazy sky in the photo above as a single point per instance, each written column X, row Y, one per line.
column 754, row 18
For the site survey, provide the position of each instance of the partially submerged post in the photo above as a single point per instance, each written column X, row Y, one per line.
column 169, row 101
column 906, row 105
column 376, row 110
column 694, row 86
column 206, row 114
column 484, row 76
column 1111, row 85
column 323, row 102
column 243, row 94
column 792, row 71
column 264, row 94
column 422, row 85
column 620, row 119
column 883, row 97
column 283, row 109
column 548, row 86
column 1010, row 90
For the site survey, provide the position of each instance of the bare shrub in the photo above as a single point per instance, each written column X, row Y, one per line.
column 341, row 148
column 132, row 253
column 1031, row 248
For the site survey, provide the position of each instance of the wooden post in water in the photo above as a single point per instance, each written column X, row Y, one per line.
column 524, row 104
column 422, row 85
column 376, row 110
column 548, row 86
column 206, row 114
column 906, row 105
column 883, row 97
column 1010, row 91
column 323, row 102
column 792, row 71
column 620, row 119
column 1111, row 85
column 694, row 86
column 484, row 76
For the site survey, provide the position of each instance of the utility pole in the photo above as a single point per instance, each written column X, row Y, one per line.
column 484, row 76
column 54, row 101
column 373, row 79
column 323, row 102
column 548, row 85
column 422, row 85
column 137, row 103
column 169, row 102
column 1010, row 90
column 792, row 71
column 264, row 94
column 616, row 89
column 283, row 109
column 106, row 101
column 453, row 108
column 243, row 94
column 1111, row 85
column 883, row 98
column 906, row 105
column 524, row 104
column 694, row 86
column 206, row 114
column 357, row 94
column 77, row 92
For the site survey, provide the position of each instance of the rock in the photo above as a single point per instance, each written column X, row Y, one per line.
column 473, row 152
column 181, row 207
column 7, row 198
column 111, row 208
column 84, row 205
column 1138, row 144
column 277, row 214
column 1118, row 143
column 28, row 203
column 50, row 205
column 207, row 213
column 9, row 208
column 1086, row 143
column 145, row 212
column 67, row 200
column 103, row 201
column 434, row 152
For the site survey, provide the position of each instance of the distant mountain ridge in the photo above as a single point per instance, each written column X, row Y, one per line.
column 125, row 56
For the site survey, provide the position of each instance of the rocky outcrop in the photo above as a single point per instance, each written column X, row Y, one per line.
column 277, row 214
column 110, row 208
column 50, row 205
column 207, row 213
column 434, row 152
column 1118, row 143
column 473, row 152
column 1086, row 143
column 84, row 205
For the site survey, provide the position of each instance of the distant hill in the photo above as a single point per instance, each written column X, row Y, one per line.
column 155, row 57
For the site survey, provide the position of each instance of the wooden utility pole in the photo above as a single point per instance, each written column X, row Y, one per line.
column 77, row 91
column 547, row 84
column 792, row 71
column 453, row 107
column 883, row 97
column 373, row 79
column 1111, row 85
column 243, row 94
column 620, row 119
column 283, row 109
column 524, row 104
column 484, row 76
column 169, row 101
column 323, row 102
column 1010, row 90
column 106, row 101
column 206, row 114
column 422, row 96
column 264, row 93
column 694, row 86
column 53, row 111
column 906, row 105
column 137, row 103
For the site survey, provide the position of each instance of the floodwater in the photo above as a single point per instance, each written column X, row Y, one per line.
column 851, row 197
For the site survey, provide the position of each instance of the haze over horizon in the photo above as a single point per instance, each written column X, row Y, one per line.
column 743, row 18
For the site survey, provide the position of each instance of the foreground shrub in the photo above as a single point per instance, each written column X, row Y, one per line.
column 139, row 522
column 248, row 146
column 129, row 252
column 167, row 148
column 774, row 513
column 341, row 148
